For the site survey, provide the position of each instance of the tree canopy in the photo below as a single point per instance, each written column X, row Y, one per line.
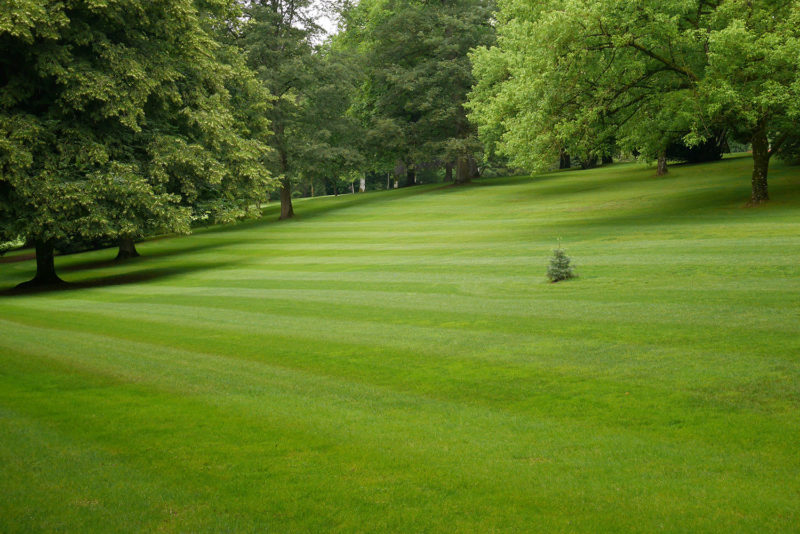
column 122, row 118
column 569, row 72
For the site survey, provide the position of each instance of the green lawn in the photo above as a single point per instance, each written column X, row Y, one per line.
column 396, row 361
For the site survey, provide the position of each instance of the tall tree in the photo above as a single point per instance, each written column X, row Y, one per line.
column 98, row 100
column 418, row 75
column 568, row 69
column 331, row 137
column 278, row 38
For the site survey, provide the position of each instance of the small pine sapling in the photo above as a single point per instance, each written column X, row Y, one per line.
column 560, row 267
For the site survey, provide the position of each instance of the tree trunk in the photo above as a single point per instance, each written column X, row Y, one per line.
column 388, row 182
column 45, row 267
column 411, row 177
column 127, row 249
column 312, row 188
column 396, row 183
column 287, row 211
column 661, row 168
column 352, row 188
column 589, row 163
column 362, row 186
column 563, row 160
column 761, row 156
column 464, row 170
column 448, row 172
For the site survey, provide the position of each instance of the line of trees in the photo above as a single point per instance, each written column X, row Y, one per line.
column 126, row 118
column 120, row 119
column 586, row 76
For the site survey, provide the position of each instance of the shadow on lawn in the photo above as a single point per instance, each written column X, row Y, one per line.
column 132, row 277
column 155, row 254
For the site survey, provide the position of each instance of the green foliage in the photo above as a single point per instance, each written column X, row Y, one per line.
column 417, row 75
column 560, row 267
column 575, row 73
column 120, row 118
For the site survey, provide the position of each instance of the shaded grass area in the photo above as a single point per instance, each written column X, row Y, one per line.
column 396, row 361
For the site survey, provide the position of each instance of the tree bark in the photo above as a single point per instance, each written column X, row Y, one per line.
column 362, row 186
column 661, row 168
column 761, row 155
column 396, row 183
column 45, row 267
column 448, row 172
column 411, row 177
column 287, row 211
column 464, row 170
column 564, row 161
column 127, row 249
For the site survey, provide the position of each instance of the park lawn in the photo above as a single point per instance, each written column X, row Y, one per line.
column 396, row 361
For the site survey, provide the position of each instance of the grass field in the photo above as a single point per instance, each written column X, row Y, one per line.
column 396, row 361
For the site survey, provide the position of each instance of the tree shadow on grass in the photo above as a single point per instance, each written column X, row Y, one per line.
column 103, row 263
column 712, row 203
column 17, row 258
column 130, row 277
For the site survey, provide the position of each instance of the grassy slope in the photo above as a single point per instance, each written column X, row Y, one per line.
column 396, row 361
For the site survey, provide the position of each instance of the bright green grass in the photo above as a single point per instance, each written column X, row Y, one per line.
column 396, row 361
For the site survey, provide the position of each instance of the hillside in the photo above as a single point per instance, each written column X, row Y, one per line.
column 397, row 361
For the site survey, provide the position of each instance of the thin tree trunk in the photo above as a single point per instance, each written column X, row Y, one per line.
column 362, row 185
column 761, row 155
column 287, row 210
column 564, row 161
column 352, row 188
column 411, row 177
column 312, row 188
column 127, row 249
column 396, row 183
column 661, row 168
column 448, row 172
column 388, row 182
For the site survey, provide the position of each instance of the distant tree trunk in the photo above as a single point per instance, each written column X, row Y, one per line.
column 563, row 160
column 661, row 168
column 312, row 187
column 411, row 177
column 362, row 185
column 287, row 210
column 45, row 266
column 448, row 172
column 388, row 181
column 474, row 170
column 396, row 183
column 589, row 163
column 464, row 170
column 761, row 155
column 352, row 188
column 127, row 249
